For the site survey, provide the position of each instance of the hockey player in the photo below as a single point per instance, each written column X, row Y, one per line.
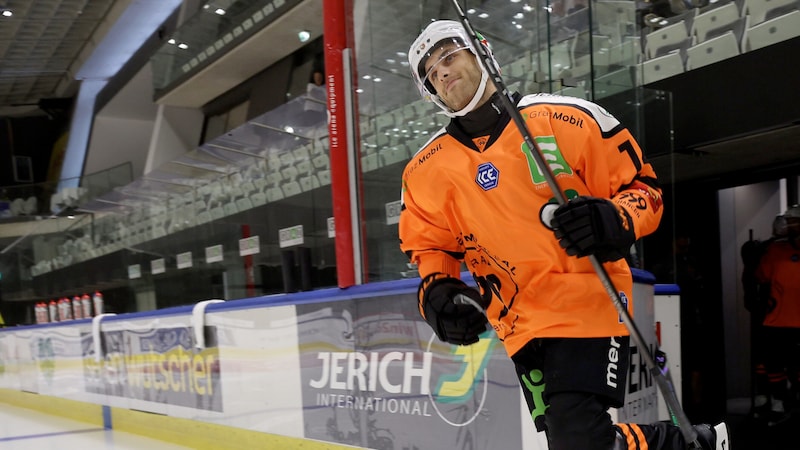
column 780, row 269
column 474, row 194
column 756, row 300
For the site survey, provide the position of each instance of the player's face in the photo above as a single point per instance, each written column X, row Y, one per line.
column 454, row 73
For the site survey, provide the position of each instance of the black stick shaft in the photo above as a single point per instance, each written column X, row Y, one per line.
column 679, row 416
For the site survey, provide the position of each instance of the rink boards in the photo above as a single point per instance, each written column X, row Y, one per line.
column 356, row 367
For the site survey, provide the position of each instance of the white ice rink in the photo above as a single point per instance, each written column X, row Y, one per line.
column 22, row 428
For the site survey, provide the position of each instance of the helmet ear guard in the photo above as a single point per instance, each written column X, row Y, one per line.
column 431, row 38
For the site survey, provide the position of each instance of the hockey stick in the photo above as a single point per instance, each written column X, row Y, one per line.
column 678, row 415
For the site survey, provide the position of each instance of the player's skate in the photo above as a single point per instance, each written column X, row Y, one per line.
column 708, row 437
column 713, row 438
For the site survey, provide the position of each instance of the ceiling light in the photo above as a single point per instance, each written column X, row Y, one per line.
column 303, row 36
column 183, row 46
column 220, row 11
column 483, row 15
column 7, row 13
column 376, row 79
column 471, row 11
column 519, row 16
column 171, row 41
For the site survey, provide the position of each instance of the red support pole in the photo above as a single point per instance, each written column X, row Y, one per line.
column 249, row 271
column 337, row 36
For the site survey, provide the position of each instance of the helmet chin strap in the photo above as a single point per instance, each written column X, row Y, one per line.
column 475, row 99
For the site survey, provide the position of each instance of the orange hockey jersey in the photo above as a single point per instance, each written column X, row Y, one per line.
column 780, row 267
column 485, row 202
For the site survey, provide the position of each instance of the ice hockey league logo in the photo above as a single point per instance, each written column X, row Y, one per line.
column 488, row 176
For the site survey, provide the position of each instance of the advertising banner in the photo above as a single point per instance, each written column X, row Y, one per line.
column 641, row 395
column 261, row 369
column 158, row 365
column 374, row 375
column 360, row 369
column 9, row 363
column 57, row 354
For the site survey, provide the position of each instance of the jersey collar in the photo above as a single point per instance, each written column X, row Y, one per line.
column 456, row 127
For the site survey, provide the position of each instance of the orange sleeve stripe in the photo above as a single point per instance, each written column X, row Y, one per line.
column 633, row 436
column 640, row 437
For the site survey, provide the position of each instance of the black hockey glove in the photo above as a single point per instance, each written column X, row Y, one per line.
column 593, row 226
column 453, row 319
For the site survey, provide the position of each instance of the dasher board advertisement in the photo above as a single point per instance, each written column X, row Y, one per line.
column 374, row 375
column 157, row 365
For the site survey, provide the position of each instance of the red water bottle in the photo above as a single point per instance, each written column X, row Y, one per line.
column 77, row 310
column 97, row 300
column 52, row 310
column 86, row 305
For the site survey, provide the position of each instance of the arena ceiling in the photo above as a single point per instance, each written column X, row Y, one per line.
column 43, row 43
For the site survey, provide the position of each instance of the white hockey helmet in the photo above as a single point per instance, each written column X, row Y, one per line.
column 432, row 37
column 792, row 218
column 779, row 226
column 793, row 212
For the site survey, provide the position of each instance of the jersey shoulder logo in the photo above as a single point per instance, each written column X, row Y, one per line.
column 488, row 176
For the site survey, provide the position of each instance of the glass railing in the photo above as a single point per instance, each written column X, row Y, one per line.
column 271, row 176
column 539, row 48
column 154, row 233
column 213, row 31
column 40, row 223
column 20, row 202
column 27, row 202
column 684, row 39
column 248, row 212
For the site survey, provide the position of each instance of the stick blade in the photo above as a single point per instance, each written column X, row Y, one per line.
column 722, row 441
